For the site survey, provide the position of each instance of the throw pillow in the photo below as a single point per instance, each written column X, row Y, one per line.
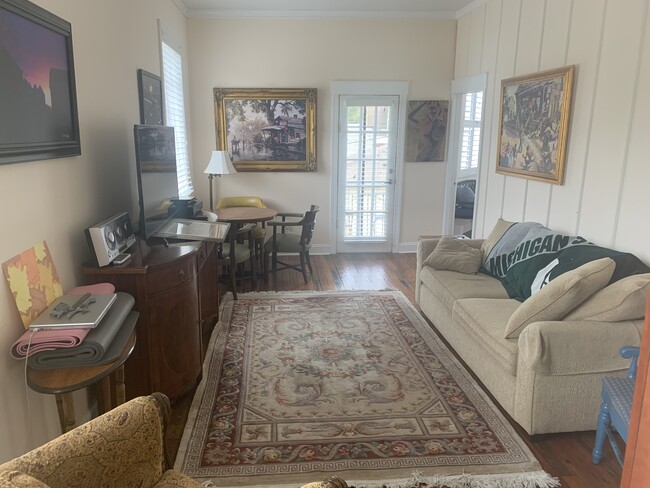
column 560, row 296
column 496, row 233
column 454, row 255
column 623, row 300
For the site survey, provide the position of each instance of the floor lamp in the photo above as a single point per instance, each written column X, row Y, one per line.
column 219, row 164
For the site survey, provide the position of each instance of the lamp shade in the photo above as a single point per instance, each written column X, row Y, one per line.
column 220, row 164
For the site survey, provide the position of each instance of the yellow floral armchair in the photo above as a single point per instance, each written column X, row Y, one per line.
column 122, row 448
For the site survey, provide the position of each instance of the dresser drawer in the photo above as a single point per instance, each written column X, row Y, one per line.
column 171, row 275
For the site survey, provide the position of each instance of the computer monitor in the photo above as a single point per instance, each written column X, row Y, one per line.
column 155, row 155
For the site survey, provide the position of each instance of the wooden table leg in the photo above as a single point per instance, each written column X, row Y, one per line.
column 120, row 389
column 65, row 408
column 104, row 402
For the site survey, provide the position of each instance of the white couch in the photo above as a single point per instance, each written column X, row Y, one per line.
column 549, row 378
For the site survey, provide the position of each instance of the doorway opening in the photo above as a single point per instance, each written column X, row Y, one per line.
column 366, row 142
column 465, row 156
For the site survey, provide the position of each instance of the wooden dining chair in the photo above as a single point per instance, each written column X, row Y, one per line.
column 291, row 243
column 237, row 251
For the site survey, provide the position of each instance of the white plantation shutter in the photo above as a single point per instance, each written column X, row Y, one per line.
column 172, row 63
column 470, row 143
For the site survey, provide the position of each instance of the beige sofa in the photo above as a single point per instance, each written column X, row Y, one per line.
column 549, row 378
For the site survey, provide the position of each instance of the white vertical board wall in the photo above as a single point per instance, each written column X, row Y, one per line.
column 604, row 194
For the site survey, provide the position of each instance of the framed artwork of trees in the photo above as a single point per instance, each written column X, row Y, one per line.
column 267, row 129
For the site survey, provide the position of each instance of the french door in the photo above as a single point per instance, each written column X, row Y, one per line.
column 366, row 168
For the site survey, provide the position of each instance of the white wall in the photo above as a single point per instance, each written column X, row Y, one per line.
column 273, row 53
column 604, row 197
column 55, row 200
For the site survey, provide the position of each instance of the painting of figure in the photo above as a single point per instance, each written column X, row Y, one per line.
column 426, row 130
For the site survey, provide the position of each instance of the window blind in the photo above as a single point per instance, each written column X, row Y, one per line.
column 472, row 111
column 175, row 115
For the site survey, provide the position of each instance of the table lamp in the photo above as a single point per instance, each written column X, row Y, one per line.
column 219, row 164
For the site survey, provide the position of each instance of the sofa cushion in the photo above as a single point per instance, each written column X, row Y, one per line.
column 454, row 255
column 496, row 233
column 449, row 286
column 483, row 318
column 623, row 300
column 560, row 296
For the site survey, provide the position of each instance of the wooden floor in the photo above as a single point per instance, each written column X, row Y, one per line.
column 566, row 456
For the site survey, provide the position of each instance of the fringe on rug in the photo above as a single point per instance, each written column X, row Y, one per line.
column 532, row 479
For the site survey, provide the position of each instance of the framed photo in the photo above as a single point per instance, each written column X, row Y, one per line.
column 151, row 98
column 426, row 130
column 38, row 119
column 267, row 129
column 534, row 125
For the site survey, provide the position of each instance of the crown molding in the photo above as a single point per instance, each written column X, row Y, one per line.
column 468, row 8
column 182, row 7
column 314, row 14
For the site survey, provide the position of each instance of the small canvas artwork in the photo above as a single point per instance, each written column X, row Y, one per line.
column 426, row 130
column 33, row 281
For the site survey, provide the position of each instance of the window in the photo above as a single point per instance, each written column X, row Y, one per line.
column 172, row 64
column 472, row 108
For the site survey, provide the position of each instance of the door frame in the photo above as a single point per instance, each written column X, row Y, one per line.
column 369, row 88
column 458, row 89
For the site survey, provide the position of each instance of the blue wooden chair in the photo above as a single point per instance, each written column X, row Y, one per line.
column 615, row 410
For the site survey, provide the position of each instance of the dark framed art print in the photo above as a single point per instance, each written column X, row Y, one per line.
column 151, row 98
column 38, row 118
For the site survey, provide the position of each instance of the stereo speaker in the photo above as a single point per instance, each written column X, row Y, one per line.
column 110, row 237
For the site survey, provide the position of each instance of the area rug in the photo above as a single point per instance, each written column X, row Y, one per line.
column 304, row 385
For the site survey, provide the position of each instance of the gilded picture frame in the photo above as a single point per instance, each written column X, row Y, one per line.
column 534, row 125
column 266, row 129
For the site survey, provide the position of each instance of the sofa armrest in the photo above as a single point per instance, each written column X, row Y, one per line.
column 425, row 247
column 576, row 347
column 126, row 443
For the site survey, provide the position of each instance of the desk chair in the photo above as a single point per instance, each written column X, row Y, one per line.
column 285, row 242
column 259, row 233
column 617, row 395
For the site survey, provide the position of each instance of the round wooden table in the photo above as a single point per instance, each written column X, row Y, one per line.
column 244, row 215
column 63, row 381
column 238, row 216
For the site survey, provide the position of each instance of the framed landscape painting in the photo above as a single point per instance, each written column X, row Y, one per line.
column 534, row 125
column 38, row 118
column 267, row 129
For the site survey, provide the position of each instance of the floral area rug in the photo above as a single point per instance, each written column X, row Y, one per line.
column 301, row 386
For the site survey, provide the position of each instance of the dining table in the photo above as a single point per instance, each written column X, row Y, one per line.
column 240, row 216
column 244, row 215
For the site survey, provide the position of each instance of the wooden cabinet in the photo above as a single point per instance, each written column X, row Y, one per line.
column 176, row 292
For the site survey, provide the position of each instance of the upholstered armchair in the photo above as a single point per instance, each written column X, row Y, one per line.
column 122, row 448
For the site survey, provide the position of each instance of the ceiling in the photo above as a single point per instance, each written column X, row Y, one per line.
column 326, row 8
